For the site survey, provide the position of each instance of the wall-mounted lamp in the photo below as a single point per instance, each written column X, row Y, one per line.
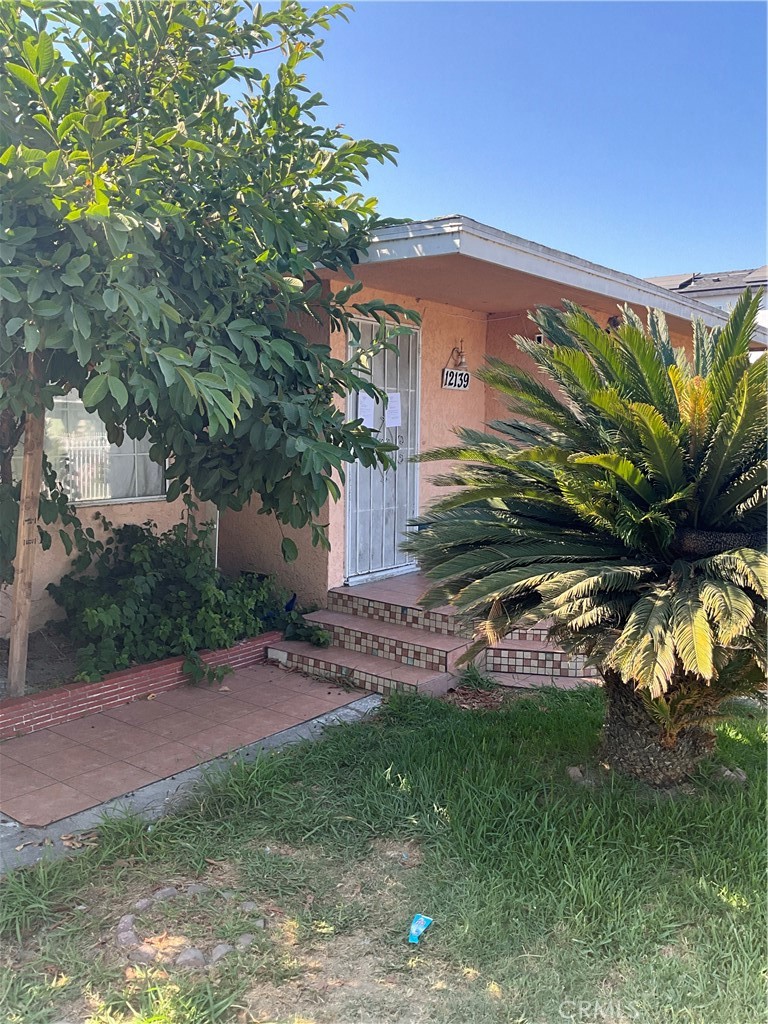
column 456, row 376
column 457, row 358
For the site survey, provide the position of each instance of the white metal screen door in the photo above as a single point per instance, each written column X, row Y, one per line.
column 380, row 502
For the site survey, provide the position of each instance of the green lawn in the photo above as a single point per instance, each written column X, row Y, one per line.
column 552, row 902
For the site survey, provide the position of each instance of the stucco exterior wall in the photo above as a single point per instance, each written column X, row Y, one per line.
column 443, row 327
column 248, row 540
column 503, row 327
column 251, row 540
column 51, row 565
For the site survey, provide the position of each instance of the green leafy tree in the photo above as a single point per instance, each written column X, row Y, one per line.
column 624, row 502
column 165, row 207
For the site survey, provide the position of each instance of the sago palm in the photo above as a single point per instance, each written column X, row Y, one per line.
column 624, row 503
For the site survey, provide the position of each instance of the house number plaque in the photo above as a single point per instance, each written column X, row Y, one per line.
column 456, row 380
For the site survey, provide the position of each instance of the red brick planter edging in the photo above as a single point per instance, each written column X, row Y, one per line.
column 20, row 715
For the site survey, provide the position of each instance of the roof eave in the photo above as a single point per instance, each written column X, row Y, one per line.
column 462, row 235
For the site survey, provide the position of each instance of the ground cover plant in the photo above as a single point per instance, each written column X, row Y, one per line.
column 623, row 502
column 552, row 901
column 157, row 595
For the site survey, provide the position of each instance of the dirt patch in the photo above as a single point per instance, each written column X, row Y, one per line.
column 51, row 661
column 337, row 953
column 475, row 698
column 355, row 977
column 470, row 698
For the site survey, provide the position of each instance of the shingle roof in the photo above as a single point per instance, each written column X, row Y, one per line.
column 724, row 280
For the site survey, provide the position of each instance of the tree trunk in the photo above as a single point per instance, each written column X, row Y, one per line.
column 634, row 744
column 11, row 429
column 26, row 544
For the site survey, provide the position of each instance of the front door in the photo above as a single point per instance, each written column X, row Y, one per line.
column 380, row 502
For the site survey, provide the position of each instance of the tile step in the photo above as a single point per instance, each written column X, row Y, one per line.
column 518, row 681
column 363, row 670
column 396, row 642
column 536, row 659
column 514, row 642
column 370, row 601
column 405, row 611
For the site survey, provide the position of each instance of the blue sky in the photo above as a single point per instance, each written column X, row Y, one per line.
column 631, row 134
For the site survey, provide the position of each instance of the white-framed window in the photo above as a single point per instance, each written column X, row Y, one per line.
column 89, row 468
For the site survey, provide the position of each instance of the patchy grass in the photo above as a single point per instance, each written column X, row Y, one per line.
column 552, row 902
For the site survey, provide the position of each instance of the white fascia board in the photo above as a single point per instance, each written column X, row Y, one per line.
column 455, row 235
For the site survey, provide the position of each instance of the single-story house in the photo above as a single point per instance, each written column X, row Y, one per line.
column 473, row 286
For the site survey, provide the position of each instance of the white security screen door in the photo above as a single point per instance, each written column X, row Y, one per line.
column 379, row 503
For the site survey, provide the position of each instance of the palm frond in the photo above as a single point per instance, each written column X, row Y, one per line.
column 692, row 633
column 644, row 651
column 730, row 610
column 663, row 456
column 703, row 348
column 733, row 340
column 739, row 492
column 738, row 434
column 746, row 567
column 646, row 369
column 694, row 406
column 659, row 331
column 527, row 396
column 587, row 334
column 621, row 469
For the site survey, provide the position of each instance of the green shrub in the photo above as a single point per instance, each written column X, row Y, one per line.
column 159, row 595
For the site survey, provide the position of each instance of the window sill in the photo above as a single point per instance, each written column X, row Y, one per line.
column 96, row 502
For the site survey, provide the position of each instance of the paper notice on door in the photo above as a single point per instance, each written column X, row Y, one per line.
column 366, row 408
column 394, row 412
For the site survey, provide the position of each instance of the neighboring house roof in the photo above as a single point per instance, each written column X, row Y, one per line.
column 724, row 281
column 457, row 235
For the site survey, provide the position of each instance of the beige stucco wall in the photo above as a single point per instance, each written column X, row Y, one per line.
column 443, row 327
column 250, row 540
column 502, row 329
column 51, row 565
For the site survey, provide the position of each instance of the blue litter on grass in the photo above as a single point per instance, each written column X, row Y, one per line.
column 419, row 925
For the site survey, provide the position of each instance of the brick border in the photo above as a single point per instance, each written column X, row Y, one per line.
column 21, row 715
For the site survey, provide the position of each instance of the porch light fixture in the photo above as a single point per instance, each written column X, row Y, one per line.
column 456, row 376
column 456, row 359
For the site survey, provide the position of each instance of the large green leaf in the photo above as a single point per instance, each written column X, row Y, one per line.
column 730, row 609
column 644, row 651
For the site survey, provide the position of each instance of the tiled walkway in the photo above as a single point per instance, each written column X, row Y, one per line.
column 59, row 771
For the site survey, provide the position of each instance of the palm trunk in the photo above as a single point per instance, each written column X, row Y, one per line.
column 634, row 744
